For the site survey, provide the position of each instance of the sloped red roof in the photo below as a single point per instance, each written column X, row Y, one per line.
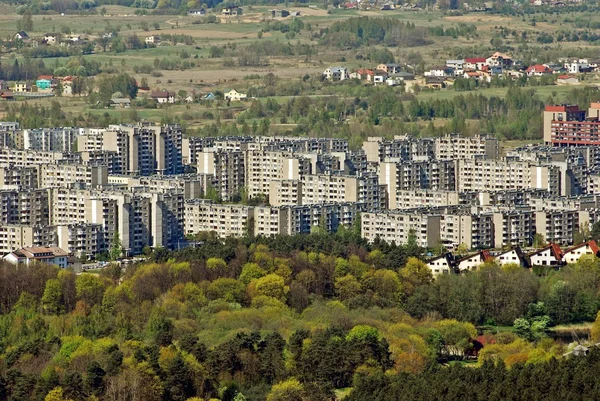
column 475, row 60
column 538, row 68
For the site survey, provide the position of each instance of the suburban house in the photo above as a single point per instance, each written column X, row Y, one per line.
column 443, row 264
column 551, row 255
column 499, row 60
column 336, row 73
column 43, row 84
column 472, row 262
column 152, row 40
column 573, row 254
column 163, row 96
column 435, row 82
column 442, row 71
column 232, row 10
column 22, row 35
column 22, row 87
column 379, row 77
column 361, row 74
column 576, row 66
column 197, row 11
column 51, row 38
column 513, row 256
column 391, row 68
column 456, row 64
column 538, row 70
column 567, row 80
column 120, row 102
column 50, row 255
column 234, row 95
column 475, row 63
column 405, row 76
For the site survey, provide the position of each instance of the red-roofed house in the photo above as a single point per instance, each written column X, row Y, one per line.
column 363, row 73
column 548, row 256
column 50, row 255
column 472, row 262
column 573, row 254
column 475, row 63
column 538, row 70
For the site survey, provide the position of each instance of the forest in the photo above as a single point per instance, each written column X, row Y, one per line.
column 307, row 317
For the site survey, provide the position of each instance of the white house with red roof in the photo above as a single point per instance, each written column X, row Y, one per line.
column 551, row 255
column 474, row 63
column 537, row 70
column 573, row 254
column 472, row 262
column 443, row 264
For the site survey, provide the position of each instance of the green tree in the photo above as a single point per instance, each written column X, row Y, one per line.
column 52, row 298
column 116, row 248
column 271, row 285
column 288, row 390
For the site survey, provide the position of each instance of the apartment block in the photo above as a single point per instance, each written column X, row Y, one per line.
column 225, row 220
column 513, row 227
column 434, row 175
column 401, row 148
column 264, row 166
column 66, row 174
column 475, row 230
column 228, row 169
column 51, row 139
column 24, row 207
column 82, row 240
column 108, row 158
column 18, row 236
column 11, row 138
column 567, row 125
column 557, row 226
column 292, row 220
column 410, row 199
column 15, row 177
column 285, row 192
column 452, row 147
column 166, row 219
column 27, row 158
column 398, row 226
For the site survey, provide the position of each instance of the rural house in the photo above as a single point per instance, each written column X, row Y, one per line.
column 162, row 97
column 234, row 95
column 513, row 256
column 336, row 73
column 152, row 40
column 197, row 11
column 22, row 35
column 51, row 38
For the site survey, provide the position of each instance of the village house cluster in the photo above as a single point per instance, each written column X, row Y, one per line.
column 477, row 68
column 76, row 188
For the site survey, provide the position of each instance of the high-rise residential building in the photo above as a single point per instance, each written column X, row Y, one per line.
column 24, row 207
column 19, row 177
column 568, row 125
column 227, row 168
column 66, row 174
column 452, row 147
column 434, row 175
column 82, row 240
column 51, row 139
column 264, row 166
column 18, row 236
